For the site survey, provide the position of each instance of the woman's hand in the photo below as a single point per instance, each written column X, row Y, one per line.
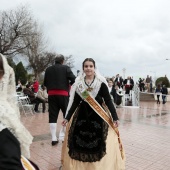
column 64, row 122
column 116, row 123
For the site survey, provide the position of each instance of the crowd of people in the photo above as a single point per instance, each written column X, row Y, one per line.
column 116, row 86
column 146, row 84
column 37, row 94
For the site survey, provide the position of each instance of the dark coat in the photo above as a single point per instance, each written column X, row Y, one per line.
column 58, row 76
column 164, row 90
column 120, row 81
column 29, row 93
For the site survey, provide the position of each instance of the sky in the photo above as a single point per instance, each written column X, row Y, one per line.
column 133, row 35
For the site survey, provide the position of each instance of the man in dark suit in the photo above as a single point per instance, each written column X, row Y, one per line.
column 118, row 81
column 57, row 80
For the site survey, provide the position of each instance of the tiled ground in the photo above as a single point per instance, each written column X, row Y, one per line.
column 145, row 133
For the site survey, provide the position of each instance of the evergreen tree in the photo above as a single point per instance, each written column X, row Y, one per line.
column 11, row 63
column 21, row 73
column 163, row 81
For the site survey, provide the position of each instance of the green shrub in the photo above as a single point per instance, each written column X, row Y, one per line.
column 163, row 81
column 20, row 73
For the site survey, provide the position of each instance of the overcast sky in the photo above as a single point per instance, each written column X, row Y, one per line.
column 117, row 34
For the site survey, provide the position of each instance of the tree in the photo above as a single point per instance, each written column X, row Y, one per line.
column 39, row 59
column 20, row 73
column 14, row 25
column 69, row 60
column 163, row 81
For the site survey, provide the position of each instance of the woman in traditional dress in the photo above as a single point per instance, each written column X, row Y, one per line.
column 92, row 140
column 15, row 139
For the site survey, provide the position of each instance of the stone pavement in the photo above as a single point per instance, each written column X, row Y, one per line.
column 145, row 133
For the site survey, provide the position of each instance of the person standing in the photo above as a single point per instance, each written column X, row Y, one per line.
column 91, row 142
column 111, row 88
column 57, row 80
column 151, row 84
column 147, row 83
column 127, row 84
column 164, row 93
column 118, row 80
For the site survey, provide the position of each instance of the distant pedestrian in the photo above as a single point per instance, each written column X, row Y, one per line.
column 147, row 83
column 57, row 79
column 151, row 84
column 164, row 93
column 158, row 93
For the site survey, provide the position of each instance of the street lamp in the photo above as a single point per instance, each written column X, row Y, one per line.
column 124, row 70
column 154, row 74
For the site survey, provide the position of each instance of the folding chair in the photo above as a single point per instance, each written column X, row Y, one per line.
column 24, row 103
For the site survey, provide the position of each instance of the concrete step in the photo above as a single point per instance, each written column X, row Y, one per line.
column 146, row 97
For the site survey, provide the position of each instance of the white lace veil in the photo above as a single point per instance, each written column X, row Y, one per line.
column 79, row 78
column 9, row 111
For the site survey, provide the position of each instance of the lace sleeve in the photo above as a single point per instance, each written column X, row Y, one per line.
column 11, row 93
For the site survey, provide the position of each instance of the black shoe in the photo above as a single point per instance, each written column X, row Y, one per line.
column 37, row 111
column 54, row 143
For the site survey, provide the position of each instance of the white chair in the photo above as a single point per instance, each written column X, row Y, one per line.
column 24, row 103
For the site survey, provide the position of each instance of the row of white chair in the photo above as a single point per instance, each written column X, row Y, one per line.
column 25, row 105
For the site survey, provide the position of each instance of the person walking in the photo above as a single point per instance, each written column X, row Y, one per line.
column 164, row 93
column 91, row 140
column 158, row 93
column 57, row 80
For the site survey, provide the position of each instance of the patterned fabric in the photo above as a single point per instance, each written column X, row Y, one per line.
column 9, row 111
column 87, row 135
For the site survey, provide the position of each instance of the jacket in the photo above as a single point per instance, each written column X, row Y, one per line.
column 58, row 76
column 29, row 93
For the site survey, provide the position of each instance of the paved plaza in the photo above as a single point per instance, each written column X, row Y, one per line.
column 145, row 132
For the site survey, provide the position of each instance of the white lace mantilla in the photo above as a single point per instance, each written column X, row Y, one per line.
column 95, row 86
column 9, row 111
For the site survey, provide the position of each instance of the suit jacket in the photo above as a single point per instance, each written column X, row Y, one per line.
column 29, row 93
column 120, row 80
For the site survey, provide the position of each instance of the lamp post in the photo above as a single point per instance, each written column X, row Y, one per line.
column 124, row 70
column 154, row 74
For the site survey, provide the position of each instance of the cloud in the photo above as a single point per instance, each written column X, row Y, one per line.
column 118, row 34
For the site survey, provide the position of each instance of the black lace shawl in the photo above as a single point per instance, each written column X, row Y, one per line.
column 88, row 132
